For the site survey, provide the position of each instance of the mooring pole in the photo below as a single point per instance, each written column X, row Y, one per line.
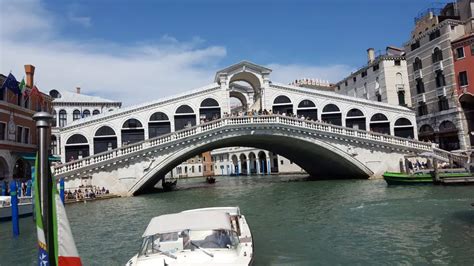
column 46, row 184
column 61, row 189
column 14, row 209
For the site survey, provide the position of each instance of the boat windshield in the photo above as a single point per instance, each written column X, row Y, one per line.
column 170, row 243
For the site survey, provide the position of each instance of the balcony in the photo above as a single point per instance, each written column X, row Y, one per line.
column 420, row 98
column 441, row 91
column 418, row 74
column 438, row 66
column 400, row 87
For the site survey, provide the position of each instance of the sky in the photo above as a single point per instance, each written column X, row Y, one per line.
column 136, row 51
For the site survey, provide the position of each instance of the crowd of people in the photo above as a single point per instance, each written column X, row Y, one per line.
column 86, row 192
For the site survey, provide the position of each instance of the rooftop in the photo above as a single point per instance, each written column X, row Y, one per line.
column 74, row 97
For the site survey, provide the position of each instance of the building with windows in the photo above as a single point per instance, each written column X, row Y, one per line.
column 71, row 106
column 383, row 79
column 432, row 77
column 18, row 138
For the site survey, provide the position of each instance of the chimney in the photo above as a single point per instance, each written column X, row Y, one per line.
column 78, row 90
column 371, row 55
column 30, row 73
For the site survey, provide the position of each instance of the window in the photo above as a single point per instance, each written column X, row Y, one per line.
column 401, row 98
column 281, row 162
column 86, row 113
column 435, row 34
column 375, row 67
column 437, row 55
column 354, row 79
column 463, row 78
column 460, row 53
column 364, row 73
column 2, row 131
column 345, row 83
column 55, row 118
column 26, row 135
column 62, row 118
column 19, row 133
column 420, row 86
column 397, row 62
column 415, row 45
column 204, row 168
column 443, row 103
column 440, row 81
column 417, row 65
column 199, row 169
column 76, row 115
column 96, row 112
column 422, row 109
column 379, row 97
column 2, row 94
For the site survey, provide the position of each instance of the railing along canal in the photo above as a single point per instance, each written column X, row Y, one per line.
column 259, row 120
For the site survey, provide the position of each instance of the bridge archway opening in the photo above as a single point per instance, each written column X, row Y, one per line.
column 159, row 124
column 235, row 165
column 76, row 147
column 308, row 109
column 184, row 117
column 282, row 105
column 379, row 123
column 105, row 139
column 426, row 133
column 253, row 163
column 248, row 78
column 403, row 128
column 274, row 166
column 209, row 110
column 262, row 158
column 332, row 114
column 448, row 136
column 238, row 102
column 355, row 119
column 132, row 131
column 243, row 164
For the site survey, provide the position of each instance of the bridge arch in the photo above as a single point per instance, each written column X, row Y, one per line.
column 308, row 109
column 184, row 117
column 132, row 131
column 355, row 118
column 379, row 123
column 158, row 124
column 105, row 139
column 209, row 109
column 254, row 80
column 299, row 149
column 76, row 147
column 332, row 114
column 282, row 104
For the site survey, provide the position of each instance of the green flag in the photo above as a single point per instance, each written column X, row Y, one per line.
column 23, row 86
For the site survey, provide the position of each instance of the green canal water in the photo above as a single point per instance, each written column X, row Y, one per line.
column 361, row 222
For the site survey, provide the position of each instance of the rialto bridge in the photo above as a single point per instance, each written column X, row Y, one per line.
column 129, row 150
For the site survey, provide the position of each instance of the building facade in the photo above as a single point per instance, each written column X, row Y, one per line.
column 432, row 77
column 18, row 137
column 383, row 79
column 71, row 106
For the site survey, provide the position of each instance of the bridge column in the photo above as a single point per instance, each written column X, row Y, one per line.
column 269, row 168
column 239, row 167
column 258, row 165
column 248, row 166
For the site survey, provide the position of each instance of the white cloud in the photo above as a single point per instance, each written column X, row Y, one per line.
column 81, row 20
column 132, row 74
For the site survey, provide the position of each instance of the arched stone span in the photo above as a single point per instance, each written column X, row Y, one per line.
column 317, row 157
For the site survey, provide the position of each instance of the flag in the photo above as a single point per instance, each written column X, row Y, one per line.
column 63, row 244
column 11, row 83
column 23, row 87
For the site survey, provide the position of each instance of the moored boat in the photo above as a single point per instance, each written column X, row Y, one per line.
column 210, row 180
column 25, row 207
column 421, row 177
column 209, row 236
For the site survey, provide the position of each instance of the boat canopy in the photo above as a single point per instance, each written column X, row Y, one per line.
column 206, row 220
column 229, row 210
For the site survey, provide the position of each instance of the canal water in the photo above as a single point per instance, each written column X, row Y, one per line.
column 360, row 222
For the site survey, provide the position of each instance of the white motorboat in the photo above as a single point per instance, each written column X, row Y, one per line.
column 25, row 207
column 208, row 236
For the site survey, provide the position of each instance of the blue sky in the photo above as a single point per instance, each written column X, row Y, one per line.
column 174, row 46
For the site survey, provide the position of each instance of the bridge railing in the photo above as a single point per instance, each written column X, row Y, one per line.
column 246, row 120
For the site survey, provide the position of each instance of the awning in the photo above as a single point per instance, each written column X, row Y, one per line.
column 32, row 157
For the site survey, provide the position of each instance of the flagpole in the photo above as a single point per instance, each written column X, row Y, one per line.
column 46, row 184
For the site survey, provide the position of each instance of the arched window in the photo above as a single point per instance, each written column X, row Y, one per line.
column 437, row 55
column 62, row 118
column 355, row 119
column 76, row 147
column 55, row 119
column 184, row 117
column 282, row 105
column 104, row 139
column 426, row 133
column 95, row 112
column 403, row 128
column 379, row 123
column 440, row 81
column 158, row 125
column 209, row 110
column 86, row 113
column 76, row 114
column 417, row 65
column 132, row 131
column 332, row 114
column 308, row 109
column 54, row 145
